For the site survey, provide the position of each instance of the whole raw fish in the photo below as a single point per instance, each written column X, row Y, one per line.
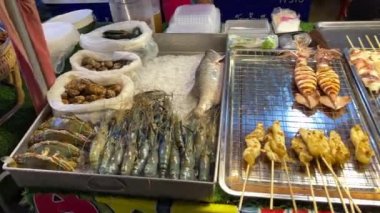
column 208, row 82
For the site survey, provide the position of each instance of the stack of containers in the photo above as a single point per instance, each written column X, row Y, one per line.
column 197, row 18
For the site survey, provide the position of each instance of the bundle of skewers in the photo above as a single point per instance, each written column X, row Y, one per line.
column 324, row 77
column 311, row 147
column 367, row 63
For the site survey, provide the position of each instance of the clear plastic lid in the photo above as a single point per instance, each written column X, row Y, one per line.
column 257, row 26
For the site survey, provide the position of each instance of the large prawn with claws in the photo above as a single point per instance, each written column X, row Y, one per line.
column 328, row 79
column 304, row 77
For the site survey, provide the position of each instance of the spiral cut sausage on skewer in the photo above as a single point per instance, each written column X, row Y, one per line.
column 328, row 79
column 304, row 77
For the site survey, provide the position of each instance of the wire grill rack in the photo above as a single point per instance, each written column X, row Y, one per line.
column 262, row 90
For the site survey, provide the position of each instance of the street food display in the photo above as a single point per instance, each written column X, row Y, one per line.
column 292, row 126
column 327, row 156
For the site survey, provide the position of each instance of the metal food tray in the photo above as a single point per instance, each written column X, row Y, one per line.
column 334, row 33
column 371, row 100
column 184, row 44
column 261, row 90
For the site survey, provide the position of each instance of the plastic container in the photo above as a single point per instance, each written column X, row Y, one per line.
column 83, row 20
column 126, row 10
column 259, row 26
column 169, row 7
column 61, row 39
column 198, row 18
column 100, row 8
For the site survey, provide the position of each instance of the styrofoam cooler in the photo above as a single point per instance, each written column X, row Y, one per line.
column 100, row 7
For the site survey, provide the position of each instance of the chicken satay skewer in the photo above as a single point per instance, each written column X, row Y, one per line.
column 370, row 42
column 304, row 156
column 317, row 145
column 276, row 139
column 251, row 153
column 341, row 155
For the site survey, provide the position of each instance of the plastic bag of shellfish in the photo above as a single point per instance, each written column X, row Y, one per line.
column 132, row 36
column 92, row 97
column 118, row 62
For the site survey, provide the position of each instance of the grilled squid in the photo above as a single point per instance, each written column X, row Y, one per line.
column 328, row 79
column 304, row 77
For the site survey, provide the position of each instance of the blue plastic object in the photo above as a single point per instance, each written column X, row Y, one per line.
column 101, row 10
column 243, row 9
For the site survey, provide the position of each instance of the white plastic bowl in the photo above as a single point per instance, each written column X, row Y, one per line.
column 78, row 18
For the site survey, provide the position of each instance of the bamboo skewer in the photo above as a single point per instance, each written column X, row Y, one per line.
column 341, row 196
column 350, row 42
column 370, row 42
column 311, row 188
column 271, row 185
column 361, row 43
column 244, row 185
column 347, row 191
column 325, row 187
column 290, row 187
column 351, row 203
column 377, row 41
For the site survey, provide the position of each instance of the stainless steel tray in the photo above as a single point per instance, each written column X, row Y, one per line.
column 371, row 100
column 334, row 33
column 261, row 90
column 127, row 185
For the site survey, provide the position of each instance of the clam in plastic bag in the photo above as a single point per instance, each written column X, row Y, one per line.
column 130, row 69
column 97, row 110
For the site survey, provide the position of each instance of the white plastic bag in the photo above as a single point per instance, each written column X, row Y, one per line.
column 143, row 45
column 95, row 111
column 129, row 69
column 61, row 39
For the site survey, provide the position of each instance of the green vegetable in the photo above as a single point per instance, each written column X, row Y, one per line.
column 269, row 43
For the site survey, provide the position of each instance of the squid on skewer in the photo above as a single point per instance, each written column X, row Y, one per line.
column 328, row 79
column 304, row 77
